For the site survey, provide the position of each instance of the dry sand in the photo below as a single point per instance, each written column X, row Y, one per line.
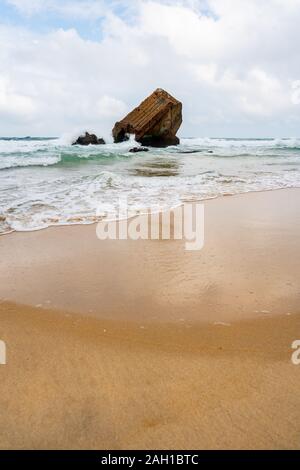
column 127, row 344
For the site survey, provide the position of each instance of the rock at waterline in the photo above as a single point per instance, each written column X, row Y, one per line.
column 88, row 139
column 138, row 149
column 154, row 122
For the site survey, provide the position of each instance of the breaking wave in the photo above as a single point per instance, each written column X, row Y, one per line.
column 50, row 182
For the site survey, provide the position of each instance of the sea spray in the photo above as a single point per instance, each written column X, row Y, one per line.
column 46, row 182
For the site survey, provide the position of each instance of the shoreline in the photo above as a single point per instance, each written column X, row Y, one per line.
column 105, row 351
column 246, row 269
column 220, row 196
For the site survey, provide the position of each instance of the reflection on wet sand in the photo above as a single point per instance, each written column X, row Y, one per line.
column 159, row 167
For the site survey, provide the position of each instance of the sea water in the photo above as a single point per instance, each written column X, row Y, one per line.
column 46, row 182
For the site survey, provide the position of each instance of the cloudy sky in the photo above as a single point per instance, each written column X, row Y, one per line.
column 67, row 65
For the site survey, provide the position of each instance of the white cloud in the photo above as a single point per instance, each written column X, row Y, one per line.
column 14, row 105
column 109, row 107
column 231, row 62
column 28, row 7
column 255, row 94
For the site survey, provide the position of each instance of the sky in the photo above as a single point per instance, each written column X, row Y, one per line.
column 73, row 65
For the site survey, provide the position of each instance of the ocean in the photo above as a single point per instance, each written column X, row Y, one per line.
column 46, row 182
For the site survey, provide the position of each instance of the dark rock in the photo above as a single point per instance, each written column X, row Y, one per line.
column 154, row 122
column 160, row 141
column 139, row 149
column 88, row 139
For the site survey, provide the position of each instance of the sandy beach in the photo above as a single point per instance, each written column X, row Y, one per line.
column 141, row 344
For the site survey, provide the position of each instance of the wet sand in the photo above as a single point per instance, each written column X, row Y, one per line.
column 123, row 344
column 249, row 266
column 72, row 382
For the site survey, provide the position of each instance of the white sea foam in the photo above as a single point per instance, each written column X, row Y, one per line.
column 50, row 182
